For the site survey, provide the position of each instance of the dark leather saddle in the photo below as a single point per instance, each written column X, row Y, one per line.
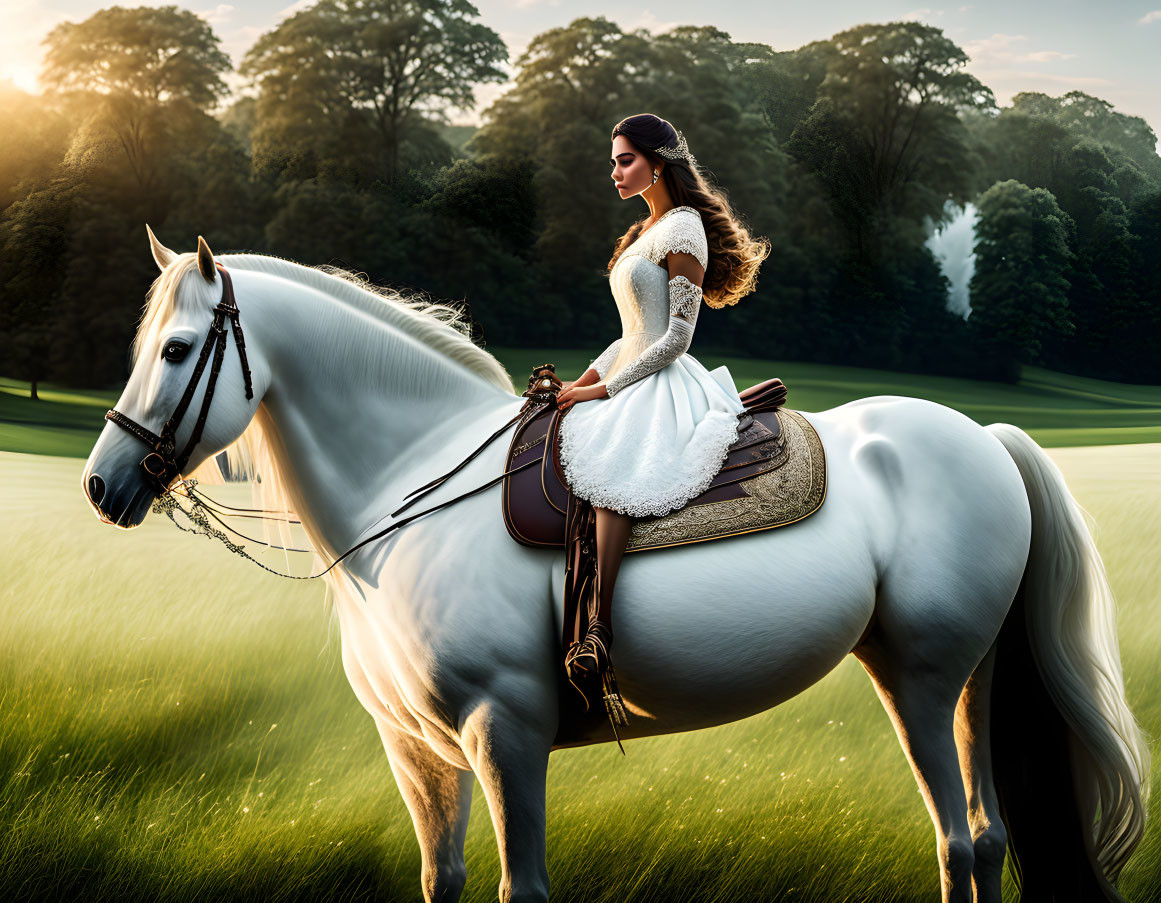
column 535, row 498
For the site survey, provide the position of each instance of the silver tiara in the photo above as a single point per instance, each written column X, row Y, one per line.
column 681, row 152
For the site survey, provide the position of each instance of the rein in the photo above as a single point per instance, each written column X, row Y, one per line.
column 164, row 468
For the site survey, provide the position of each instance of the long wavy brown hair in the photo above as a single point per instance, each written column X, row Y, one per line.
column 734, row 255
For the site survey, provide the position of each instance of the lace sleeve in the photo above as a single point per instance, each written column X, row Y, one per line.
column 684, row 303
column 606, row 357
column 684, row 299
column 684, row 234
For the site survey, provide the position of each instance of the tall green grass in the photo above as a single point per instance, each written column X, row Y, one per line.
column 175, row 724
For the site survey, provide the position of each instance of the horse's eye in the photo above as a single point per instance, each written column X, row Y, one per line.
column 175, row 351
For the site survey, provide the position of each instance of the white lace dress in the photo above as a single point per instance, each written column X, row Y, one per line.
column 662, row 434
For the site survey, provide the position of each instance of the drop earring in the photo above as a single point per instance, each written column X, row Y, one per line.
column 655, row 177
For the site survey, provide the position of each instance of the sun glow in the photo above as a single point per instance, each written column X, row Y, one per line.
column 21, row 75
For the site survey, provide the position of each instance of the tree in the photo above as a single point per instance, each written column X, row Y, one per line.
column 785, row 85
column 1086, row 116
column 1020, row 288
column 884, row 133
column 148, row 75
column 344, row 75
column 1095, row 162
column 1145, row 226
column 33, row 139
column 1109, row 314
column 35, row 241
column 1030, row 149
column 574, row 84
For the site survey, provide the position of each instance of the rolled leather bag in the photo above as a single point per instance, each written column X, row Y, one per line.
column 764, row 396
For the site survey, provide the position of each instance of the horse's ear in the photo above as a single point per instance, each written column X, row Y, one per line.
column 161, row 253
column 206, row 260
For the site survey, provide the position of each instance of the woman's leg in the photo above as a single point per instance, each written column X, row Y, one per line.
column 613, row 530
column 589, row 660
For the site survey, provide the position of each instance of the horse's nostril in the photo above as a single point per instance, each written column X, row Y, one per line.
column 96, row 489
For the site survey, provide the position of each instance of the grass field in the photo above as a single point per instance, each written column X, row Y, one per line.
column 1058, row 410
column 175, row 724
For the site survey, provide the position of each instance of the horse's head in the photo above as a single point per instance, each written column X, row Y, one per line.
column 186, row 343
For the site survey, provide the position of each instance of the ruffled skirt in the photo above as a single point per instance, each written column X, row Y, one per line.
column 655, row 444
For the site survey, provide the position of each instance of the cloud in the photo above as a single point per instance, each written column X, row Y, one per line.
column 295, row 7
column 1072, row 81
column 647, row 20
column 918, row 15
column 220, row 14
column 1047, row 56
column 1150, row 17
column 1006, row 65
column 236, row 41
column 1006, row 50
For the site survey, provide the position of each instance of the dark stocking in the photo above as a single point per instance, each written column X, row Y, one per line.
column 613, row 531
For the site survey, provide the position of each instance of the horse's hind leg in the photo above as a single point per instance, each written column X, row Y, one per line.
column 990, row 839
column 439, row 798
column 921, row 700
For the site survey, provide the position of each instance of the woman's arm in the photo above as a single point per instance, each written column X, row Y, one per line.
column 672, row 345
column 684, row 248
column 598, row 368
column 685, row 295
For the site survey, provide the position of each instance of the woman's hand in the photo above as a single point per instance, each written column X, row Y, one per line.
column 587, row 378
column 570, row 396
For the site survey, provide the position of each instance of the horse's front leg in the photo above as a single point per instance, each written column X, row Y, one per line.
column 438, row 796
column 508, row 745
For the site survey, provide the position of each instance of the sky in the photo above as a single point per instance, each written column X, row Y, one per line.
column 1111, row 50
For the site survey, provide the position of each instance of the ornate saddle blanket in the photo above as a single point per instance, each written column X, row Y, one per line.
column 774, row 474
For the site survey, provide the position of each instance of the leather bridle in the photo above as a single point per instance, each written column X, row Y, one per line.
column 161, row 464
column 163, row 467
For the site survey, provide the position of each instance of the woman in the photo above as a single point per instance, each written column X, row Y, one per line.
column 658, row 425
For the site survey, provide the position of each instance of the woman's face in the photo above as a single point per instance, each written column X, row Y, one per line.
column 632, row 172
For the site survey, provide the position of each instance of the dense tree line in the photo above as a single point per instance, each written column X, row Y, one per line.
column 843, row 152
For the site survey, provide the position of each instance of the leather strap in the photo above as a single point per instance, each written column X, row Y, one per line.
column 160, row 463
column 419, row 514
column 427, row 487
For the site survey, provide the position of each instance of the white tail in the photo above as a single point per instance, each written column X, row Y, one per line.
column 1071, row 628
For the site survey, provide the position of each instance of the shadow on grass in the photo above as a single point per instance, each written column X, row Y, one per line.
column 95, row 868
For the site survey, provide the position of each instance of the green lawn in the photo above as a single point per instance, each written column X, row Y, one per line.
column 178, row 738
column 1058, row 410
column 175, row 724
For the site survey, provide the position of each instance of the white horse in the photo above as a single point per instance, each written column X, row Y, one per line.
column 950, row 559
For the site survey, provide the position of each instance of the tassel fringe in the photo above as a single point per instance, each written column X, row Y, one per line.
column 614, row 704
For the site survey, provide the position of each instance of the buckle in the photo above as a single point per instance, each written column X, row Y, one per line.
column 543, row 380
column 182, row 486
column 158, row 461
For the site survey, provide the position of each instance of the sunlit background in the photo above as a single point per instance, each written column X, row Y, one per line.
column 997, row 251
